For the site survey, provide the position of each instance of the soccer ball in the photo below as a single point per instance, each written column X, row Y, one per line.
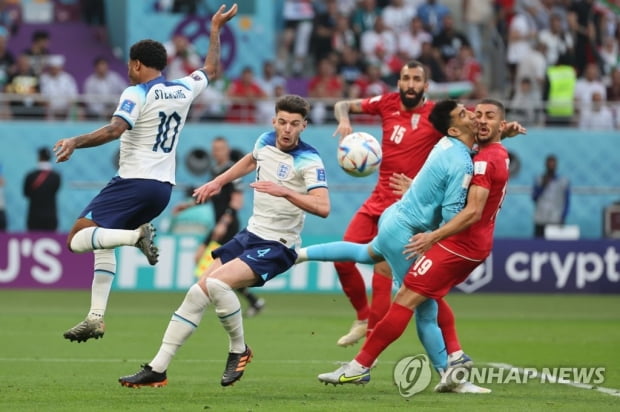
column 359, row 154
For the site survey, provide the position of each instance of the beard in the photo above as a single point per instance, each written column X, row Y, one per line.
column 410, row 102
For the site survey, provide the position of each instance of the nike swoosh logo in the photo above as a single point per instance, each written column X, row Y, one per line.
column 346, row 379
column 250, row 257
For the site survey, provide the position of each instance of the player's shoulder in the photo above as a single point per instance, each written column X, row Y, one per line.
column 266, row 139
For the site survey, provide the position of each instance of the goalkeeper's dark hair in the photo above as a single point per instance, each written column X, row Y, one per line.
column 150, row 53
column 440, row 115
column 293, row 104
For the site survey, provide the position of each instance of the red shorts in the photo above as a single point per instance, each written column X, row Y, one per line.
column 437, row 271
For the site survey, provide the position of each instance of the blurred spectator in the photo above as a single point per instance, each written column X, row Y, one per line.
column 449, row 41
column 521, row 34
column 613, row 90
column 59, row 88
column 265, row 112
column 581, row 21
column 526, row 105
column 25, row 83
column 432, row 13
column 38, row 51
column 40, row 187
column 10, row 16
column 590, row 83
column 326, row 84
column 557, row 40
column 102, row 88
column 478, row 17
column 350, row 67
column 434, row 66
column 364, row 16
column 379, row 46
column 464, row 67
column 270, row 79
column 397, row 15
column 410, row 41
column 183, row 59
column 324, row 30
column 274, row 86
column 608, row 53
column 7, row 61
column 298, row 21
column 189, row 218
column 213, row 104
column 559, row 92
column 368, row 85
column 3, row 222
column 534, row 66
column 551, row 196
column 344, row 36
column 246, row 93
column 596, row 115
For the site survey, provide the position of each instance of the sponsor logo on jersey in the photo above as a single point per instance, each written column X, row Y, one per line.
column 480, row 168
column 320, row 175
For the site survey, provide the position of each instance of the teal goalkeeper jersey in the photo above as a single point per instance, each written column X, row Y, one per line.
column 437, row 193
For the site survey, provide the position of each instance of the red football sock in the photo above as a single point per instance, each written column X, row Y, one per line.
column 354, row 287
column 386, row 331
column 381, row 299
column 447, row 324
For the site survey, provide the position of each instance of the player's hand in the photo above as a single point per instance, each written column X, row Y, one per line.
column 207, row 191
column 343, row 129
column 513, row 129
column 399, row 183
column 418, row 245
column 220, row 18
column 271, row 188
column 63, row 149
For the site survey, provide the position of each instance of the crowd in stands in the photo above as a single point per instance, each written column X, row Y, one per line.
column 551, row 61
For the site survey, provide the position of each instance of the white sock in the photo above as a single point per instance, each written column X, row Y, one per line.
column 93, row 237
column 183, row 323
column 105, row 270
column 228, row 310
column 302, row 255
column 455, row 355
column 356, row 368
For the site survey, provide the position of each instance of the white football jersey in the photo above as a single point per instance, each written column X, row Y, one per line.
column 156, row 112
column 275, row 218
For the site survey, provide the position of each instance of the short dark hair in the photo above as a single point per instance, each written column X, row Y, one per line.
column 440, row 115
column 151, row 53
column 496, row 103
column 293, row 103
column 40, row 35
column 44, row 154
column 413, row 64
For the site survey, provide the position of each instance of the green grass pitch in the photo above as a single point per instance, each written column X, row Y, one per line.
column 294, row 340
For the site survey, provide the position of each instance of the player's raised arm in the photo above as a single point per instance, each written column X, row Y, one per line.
column 341, row 113
column 244, row 166
column 217, row 22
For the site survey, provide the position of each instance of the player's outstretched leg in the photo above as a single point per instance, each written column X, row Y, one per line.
column 88, row 328
column 235, row 366
column 350, row 372
column 146, row 243
column 144, row 377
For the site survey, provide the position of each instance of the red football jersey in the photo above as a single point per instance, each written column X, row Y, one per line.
column 491, row 172
column 407, row 139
